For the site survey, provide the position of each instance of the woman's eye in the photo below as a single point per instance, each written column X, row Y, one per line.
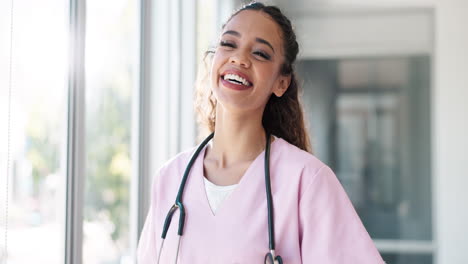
column 227, row 44
column 262, row 54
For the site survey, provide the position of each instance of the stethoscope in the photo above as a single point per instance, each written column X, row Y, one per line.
column 270, row 257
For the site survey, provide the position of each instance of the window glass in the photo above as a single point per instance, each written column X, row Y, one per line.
column 111, row 57
column 38, row 123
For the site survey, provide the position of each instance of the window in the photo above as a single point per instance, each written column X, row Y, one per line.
column 111, row 55
column 45, row 177
column 38, row 123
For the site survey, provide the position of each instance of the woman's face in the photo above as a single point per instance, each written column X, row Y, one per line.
column 246, row 65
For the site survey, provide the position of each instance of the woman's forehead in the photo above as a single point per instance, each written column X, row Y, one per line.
column 255, row 24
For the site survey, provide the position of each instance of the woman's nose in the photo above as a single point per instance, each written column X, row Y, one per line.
column 240, row 59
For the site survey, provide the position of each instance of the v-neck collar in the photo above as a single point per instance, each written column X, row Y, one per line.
column 246, row 180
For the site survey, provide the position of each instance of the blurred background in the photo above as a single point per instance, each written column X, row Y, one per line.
column 102, row 95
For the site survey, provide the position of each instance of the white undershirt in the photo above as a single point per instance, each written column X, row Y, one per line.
column 217, row 194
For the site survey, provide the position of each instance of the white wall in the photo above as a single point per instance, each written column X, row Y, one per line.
column 450, row 131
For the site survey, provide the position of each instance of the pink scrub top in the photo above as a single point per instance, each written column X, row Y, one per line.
column 315, row 221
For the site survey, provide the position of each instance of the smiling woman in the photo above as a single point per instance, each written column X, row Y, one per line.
column 256, row 188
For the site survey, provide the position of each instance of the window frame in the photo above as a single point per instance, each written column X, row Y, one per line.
column 75, row 134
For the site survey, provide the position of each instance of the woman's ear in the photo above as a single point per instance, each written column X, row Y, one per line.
column 282, row 85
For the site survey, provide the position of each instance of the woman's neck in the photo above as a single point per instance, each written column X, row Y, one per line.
column 238, row 138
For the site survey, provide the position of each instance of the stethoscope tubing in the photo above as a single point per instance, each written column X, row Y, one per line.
column 178, row 205
column 271, row 231
column 178, row 202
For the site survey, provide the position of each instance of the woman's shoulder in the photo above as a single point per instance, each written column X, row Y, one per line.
column 180, row 160
column 293, row 156
column 296, row 167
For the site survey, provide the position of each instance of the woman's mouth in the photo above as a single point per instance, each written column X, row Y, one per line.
column 235, row 81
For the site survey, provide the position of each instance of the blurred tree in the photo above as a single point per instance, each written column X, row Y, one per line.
column 108, row 165
column 42, row 143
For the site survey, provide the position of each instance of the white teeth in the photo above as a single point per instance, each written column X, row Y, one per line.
column 234, row 77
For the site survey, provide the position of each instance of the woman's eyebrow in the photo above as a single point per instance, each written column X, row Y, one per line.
column 259, row 40
column 232, row 32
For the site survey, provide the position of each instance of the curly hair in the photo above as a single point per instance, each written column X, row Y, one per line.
column 283, row 116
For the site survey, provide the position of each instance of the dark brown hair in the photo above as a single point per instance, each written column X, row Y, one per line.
column 283, row 116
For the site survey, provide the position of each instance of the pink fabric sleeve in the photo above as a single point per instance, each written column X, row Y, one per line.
column 146, row 251
column 330, row 229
